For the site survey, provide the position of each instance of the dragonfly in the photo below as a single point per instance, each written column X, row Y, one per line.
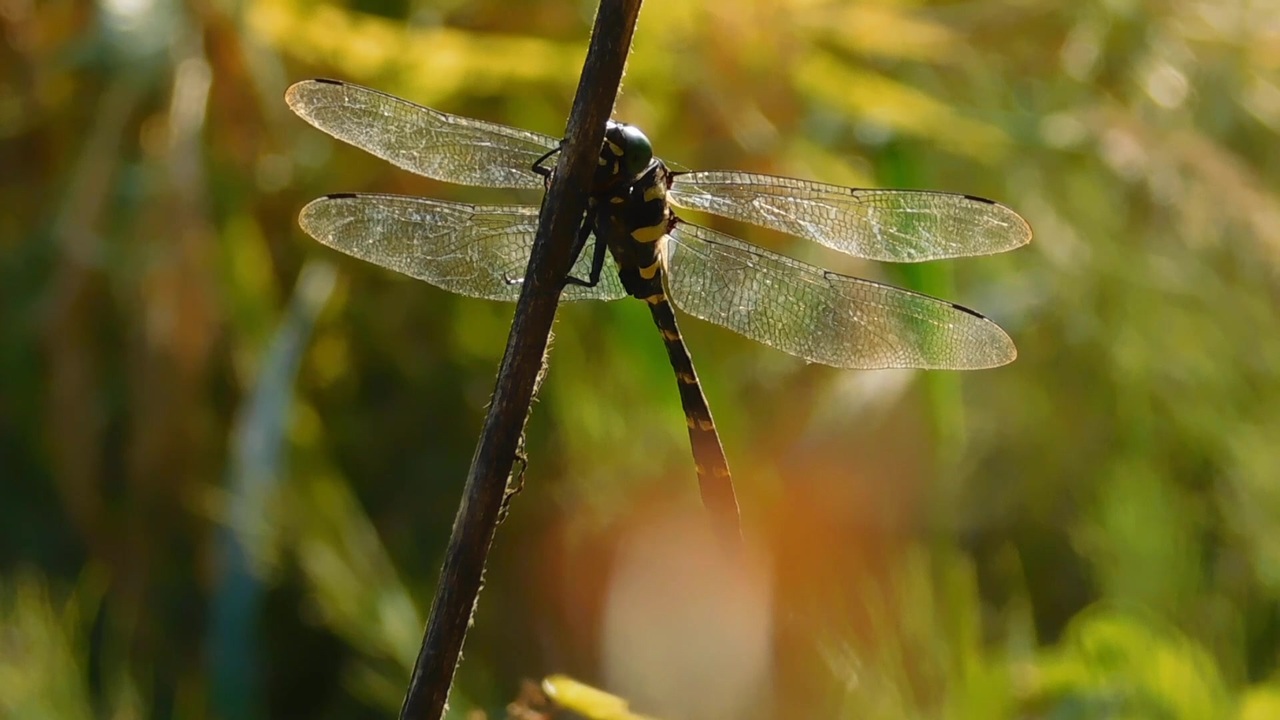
column 643, row 249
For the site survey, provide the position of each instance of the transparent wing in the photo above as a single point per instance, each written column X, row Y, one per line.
column 821, row 316
column 889, row 225
column 475, row 250
column 421, row 140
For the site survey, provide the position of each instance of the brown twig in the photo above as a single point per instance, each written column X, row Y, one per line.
column 549, row 264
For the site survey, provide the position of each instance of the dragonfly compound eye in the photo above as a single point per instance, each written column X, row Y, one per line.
column 637, row 153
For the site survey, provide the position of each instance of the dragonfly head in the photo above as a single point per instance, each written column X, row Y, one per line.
column 626, row 152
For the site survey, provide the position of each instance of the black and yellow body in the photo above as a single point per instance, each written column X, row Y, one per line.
column 630, row 216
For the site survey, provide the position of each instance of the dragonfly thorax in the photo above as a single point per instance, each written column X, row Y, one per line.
column 632, row 219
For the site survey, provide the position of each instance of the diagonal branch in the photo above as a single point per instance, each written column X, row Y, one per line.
column 549, row 264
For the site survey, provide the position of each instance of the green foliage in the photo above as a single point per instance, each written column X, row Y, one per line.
column 1114, row 665
column 46, row 653
column 222, row 496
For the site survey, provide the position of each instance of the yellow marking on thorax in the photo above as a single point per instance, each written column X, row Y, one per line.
column 656, row 299
column 650, row 234
column 614, row 148
column 648, row 273
column 655, row 191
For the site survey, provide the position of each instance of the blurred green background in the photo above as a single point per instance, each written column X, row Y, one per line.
column 230, row 457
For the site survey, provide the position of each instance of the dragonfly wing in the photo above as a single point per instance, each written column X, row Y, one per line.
column 820, row 316
column 475, row 250
column 889, row 225
column 421, row 140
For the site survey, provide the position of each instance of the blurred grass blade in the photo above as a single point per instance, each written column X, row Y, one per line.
column 256, row 470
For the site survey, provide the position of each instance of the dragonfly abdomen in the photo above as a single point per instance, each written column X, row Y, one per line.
column 714, row 480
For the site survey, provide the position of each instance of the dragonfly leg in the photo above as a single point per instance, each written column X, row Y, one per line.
column 541, row 169
column 597, row 256
column 579, row 243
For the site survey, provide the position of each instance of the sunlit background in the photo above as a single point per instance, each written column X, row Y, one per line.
column 230, row 457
